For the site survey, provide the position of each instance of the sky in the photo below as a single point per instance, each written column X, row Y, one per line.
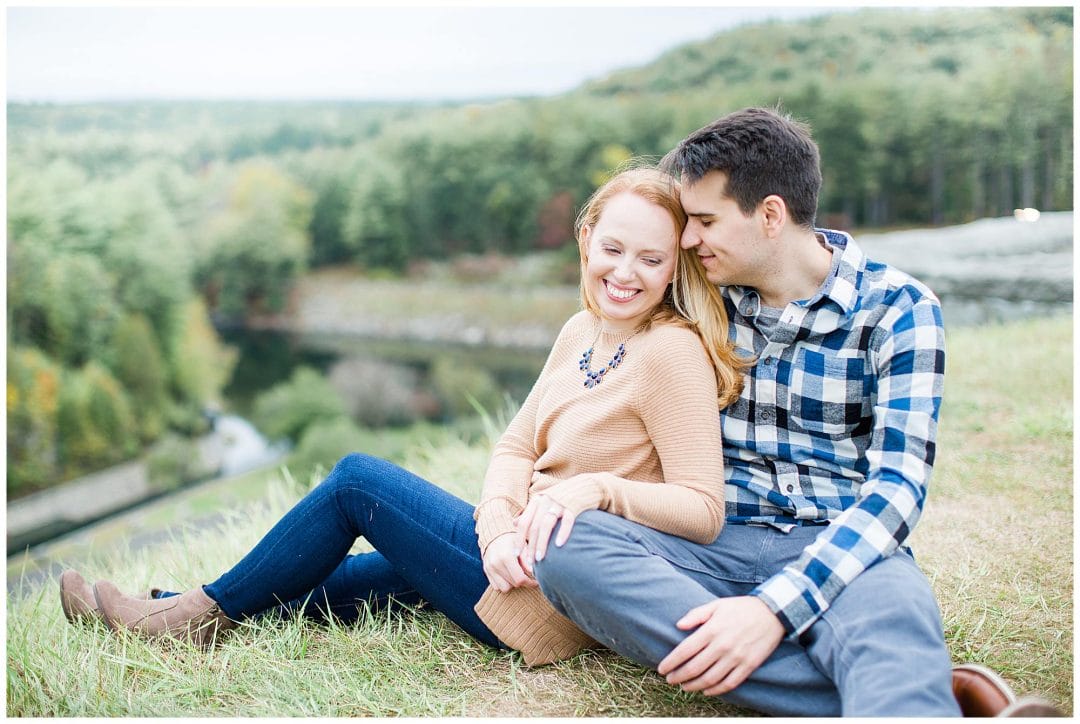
column 76, row 54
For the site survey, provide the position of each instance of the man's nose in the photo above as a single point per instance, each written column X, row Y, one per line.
column 690, row 238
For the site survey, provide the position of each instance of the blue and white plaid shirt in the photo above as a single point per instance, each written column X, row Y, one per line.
column 836, row 424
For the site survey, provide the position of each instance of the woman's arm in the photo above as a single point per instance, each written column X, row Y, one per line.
column 510, row 471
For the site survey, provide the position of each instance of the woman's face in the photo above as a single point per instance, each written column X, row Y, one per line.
column 631, row 259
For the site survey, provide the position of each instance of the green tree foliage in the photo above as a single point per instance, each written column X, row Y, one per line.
column 80, row 309
column 99, row 271
column 33, row 394
column 138, row 365
column 260, row 241
column 287, row 409
column 95, row 424
column 200, row 365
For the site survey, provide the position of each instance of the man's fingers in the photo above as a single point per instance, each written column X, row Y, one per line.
column 696, row 616
column 568, row 519
column 714, row 672
column 737, row 676
column 698, row 664
column 690, row 647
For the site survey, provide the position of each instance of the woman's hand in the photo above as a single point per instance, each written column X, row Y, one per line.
column 502, row 564
column 536, row 523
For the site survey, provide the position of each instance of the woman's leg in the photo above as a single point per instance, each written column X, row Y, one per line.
column 425, row 538
column 364, row 578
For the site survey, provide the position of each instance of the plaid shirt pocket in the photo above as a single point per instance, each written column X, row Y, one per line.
column 827, row 393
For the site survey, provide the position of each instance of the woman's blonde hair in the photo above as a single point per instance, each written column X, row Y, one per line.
column 691, row 301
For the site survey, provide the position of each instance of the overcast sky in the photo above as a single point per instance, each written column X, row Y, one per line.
column 118, row 53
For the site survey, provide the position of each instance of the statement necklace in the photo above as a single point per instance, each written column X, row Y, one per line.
column 592, row 379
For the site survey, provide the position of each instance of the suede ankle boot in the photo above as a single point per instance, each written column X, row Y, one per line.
column 77, row 598
column 192, row 616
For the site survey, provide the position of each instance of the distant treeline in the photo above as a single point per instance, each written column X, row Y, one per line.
column 128, row 221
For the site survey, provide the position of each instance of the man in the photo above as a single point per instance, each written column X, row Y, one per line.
column 807, row 603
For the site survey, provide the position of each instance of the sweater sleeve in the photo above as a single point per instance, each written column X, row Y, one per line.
column 676, row 401
column 513, row 459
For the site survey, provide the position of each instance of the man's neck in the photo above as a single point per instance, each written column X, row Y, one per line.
column 801, row 272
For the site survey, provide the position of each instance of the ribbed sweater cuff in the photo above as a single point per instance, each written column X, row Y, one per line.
column 494, row 518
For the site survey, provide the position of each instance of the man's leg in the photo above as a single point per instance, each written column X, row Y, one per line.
column 880, row 642
column 626, row 585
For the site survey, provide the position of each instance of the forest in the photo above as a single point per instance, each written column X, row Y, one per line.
column 133, row 227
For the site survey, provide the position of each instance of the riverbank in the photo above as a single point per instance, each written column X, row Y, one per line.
column 232, row 447
column 986, row 271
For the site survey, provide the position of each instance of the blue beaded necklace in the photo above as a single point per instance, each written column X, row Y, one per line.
column 592, row 379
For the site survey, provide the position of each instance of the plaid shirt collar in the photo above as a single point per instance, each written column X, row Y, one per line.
column 840, row 285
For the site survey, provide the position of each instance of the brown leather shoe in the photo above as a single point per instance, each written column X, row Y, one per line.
column 1031, row 706
column 980, row 691
column 192, row 616
column 77, row 598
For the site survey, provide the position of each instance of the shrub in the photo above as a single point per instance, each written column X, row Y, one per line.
column 378, row 393
column 286, row 410
column 460, row 385
column 174, row 462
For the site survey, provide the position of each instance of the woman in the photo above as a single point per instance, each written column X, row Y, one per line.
column 622, row 418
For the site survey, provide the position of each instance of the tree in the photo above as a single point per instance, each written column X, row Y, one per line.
column 259, row 242
column 33, row 389
column 137, row 362
column 95, row 425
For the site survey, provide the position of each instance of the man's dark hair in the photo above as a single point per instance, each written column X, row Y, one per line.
column 761, row 153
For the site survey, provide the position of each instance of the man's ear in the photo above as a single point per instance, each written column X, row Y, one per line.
column 774, row 215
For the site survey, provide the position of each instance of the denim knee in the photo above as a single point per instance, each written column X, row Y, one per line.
column 352, row 469
column 572, row 566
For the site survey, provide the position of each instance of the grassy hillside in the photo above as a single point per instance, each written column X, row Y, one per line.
column 996, row 541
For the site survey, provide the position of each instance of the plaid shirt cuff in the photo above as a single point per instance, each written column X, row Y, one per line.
column 794, row 600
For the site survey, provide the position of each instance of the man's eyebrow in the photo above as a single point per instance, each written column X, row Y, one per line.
column 699, row 214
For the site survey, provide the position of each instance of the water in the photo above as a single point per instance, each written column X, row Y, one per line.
column 384, row 382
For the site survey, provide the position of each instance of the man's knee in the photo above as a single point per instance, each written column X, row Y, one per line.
column 891, row 595
column 573, row 566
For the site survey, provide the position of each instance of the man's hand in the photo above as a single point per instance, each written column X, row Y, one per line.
column 734, row 636
column 502, row 564
column 536, row 523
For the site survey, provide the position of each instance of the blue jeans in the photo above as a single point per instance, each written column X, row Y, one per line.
column 424, row 538
column 878, row 650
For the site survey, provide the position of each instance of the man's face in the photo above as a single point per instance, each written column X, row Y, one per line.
column 729, row 244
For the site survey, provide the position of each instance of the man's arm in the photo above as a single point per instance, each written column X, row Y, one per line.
column 910, row 366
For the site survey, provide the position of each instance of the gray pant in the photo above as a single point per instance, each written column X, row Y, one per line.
column 877, row 651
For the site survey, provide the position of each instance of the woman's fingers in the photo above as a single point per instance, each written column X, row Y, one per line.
column 568, row 519
column 543, row 531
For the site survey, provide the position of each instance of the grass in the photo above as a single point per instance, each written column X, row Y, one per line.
column 996, row 542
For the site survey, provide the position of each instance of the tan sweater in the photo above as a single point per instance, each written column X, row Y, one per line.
column 645, row 445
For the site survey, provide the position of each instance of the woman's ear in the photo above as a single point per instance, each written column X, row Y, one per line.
column 773, row 215
column 583, row 242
